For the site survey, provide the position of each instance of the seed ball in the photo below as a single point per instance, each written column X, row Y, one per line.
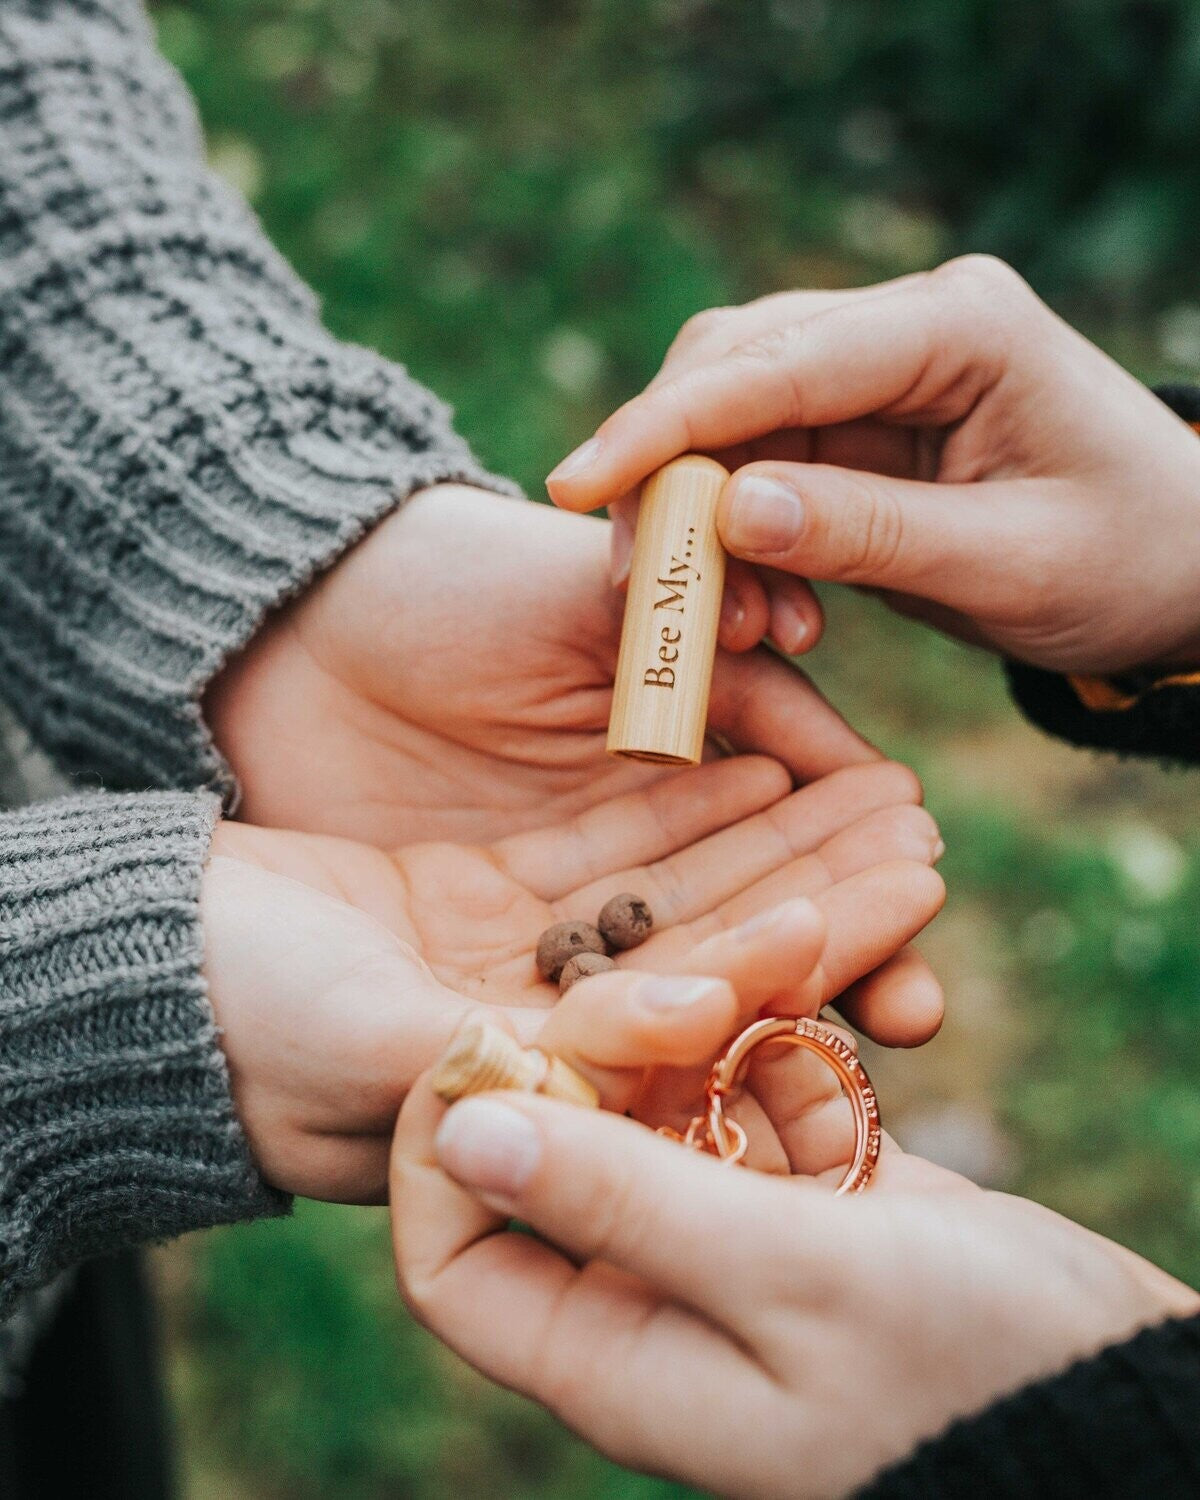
column 580, row 967
column 625, row 921
column 563, row 941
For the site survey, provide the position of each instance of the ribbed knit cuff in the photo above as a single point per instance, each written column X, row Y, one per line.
column 1121, row 1425
column 116, row 1123
column 182, row 445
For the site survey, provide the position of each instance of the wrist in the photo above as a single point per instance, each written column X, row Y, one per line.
column 316, row 641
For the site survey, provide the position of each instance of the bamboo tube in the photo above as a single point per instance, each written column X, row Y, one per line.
column 669, row 636
column 481, row 1057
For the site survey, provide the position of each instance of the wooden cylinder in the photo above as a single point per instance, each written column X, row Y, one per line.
column 669, row 636
column 481, row 1058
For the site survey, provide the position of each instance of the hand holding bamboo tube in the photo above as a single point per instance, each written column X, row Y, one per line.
column 672, row 611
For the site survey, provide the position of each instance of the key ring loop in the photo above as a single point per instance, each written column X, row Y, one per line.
column 728, row 1138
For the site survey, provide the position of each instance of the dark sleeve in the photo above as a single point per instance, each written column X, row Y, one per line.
column 1137, row 713
column 182, row 444
column 1122, row 1426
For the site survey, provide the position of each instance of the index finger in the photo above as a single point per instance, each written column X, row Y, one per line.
column 903, row 354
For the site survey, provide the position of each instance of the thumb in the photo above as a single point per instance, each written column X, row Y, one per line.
column 600, row 1187
column 966, row 546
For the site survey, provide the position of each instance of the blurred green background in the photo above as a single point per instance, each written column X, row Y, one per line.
column 523, row 199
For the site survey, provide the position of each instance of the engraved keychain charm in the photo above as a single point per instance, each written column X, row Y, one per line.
column 721, row 1136
column 672, row 611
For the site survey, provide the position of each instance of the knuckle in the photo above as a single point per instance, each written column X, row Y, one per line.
column 617, row 1220
column 766, row 348
column 906, row 782
column 773, row 353
column 986, row 271
column 987, row 288
column 702, row 326
column 874, row 532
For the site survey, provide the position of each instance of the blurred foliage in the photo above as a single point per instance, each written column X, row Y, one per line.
column 523, row 199
column 319, row 1387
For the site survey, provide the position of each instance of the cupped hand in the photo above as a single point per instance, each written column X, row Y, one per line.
column 451, row 678
column 944, row 439
column 749, row 1334
column 338, row 971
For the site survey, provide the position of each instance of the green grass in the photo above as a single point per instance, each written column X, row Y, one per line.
column 523, row 199
column 298, row 1353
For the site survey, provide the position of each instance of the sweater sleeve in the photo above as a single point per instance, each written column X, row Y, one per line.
column 1125, row 1423
column 182, row 445
column 116, row 1122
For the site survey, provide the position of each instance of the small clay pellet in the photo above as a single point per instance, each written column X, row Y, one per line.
column 581, row 966
column 563, row 941
column 625, row 921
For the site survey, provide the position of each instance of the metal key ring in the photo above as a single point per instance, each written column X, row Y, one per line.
column 729, row 1140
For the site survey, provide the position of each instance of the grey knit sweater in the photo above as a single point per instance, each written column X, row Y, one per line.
column 182, row 446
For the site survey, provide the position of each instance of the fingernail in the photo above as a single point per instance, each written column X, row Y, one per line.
column 938, row 850
column 764, row 517
column 622, row 550
column 733, row 612
column 789, row 627
column 575, row 463
column 487, row 1146
column 675, row 992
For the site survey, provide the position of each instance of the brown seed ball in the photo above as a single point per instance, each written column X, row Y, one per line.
column 563, row 941
column 625, row 921
column 580, row 967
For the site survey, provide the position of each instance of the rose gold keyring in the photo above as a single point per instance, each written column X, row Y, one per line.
column 727, row 1139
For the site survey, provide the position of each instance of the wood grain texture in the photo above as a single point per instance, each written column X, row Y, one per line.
column 482, row 1058
column 673, row 608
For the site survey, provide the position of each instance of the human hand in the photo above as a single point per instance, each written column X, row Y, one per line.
column 451, row 678
column 944, row 439
column 750, row 1334
column 337, row 971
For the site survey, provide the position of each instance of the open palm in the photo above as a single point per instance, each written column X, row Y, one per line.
column 339, row 971
column 456, row 668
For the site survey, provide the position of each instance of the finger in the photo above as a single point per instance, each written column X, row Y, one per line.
column 623, row 514
column 870, row 916
column 867, row 917
column 649, row 824
column 892, row 833
column 612, row 1027
column 586, row 1342
column 716, row 330
column 700, row 875
column 803, row 365
column 801, row 1095
column 745, row 611
column 869, row 443
column 763, row 957
column 602, row 1187
column 765, row 705
column 900, row 1004
column 961, row 545
column 797, row 618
